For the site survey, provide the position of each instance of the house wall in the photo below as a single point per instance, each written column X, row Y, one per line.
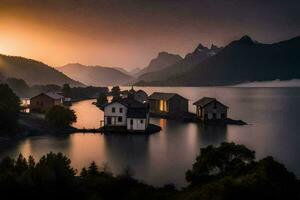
column 212, row 108
column 42, row 103
column 137, row 125
column 154, row 105
column 178, row 104
column 141, row 97
column 108, row 112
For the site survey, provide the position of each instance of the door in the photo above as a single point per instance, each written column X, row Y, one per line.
column 108, row 120
column 131, row 124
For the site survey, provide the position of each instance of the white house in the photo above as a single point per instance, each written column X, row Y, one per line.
column 126, row 113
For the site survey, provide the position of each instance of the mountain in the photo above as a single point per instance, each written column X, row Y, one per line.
column 95, row 75
column 241, row 61
column 190, row 60
column 32, row 71
column 162, row 61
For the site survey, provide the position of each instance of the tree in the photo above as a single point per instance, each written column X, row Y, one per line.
column 93, row 169
column 219, row 161
column 9, row 108
column 61, row 117
column 101, row 100
column 66, row 90
column 115, row 92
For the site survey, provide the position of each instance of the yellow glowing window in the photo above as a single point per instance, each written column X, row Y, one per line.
column 163, row 105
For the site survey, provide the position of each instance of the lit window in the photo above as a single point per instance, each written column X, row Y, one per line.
column 163, row 106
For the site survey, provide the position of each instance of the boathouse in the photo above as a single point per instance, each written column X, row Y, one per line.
column 45, row 101
column 210, row 109
column 126, row 113
column 167, row 104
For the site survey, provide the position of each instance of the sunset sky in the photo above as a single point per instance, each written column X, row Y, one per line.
column 128, row 33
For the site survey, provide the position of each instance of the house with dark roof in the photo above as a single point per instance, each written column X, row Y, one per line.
column 126, row 113
column 167, row 104
column 45, row 101
column 209, row 108
column 139, row 95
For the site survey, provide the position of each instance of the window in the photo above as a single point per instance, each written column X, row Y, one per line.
column 142, row 121
column 113, row 109
column 37, row 103
column 205, row 116
column 214, row 116
column 215, row 105
column 223, row 115
column 131, row 122
column 119, row 119
column 163, row 106
column 121, row 110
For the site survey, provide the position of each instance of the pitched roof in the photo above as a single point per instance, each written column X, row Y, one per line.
column 129, row 102
column 205, row 101
column 139, row 113
column 54, row 95
column 163, row 96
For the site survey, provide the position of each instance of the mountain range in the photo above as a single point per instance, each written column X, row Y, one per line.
column 95, row 75
column 32, row 71
column 243, row 60
column 200, row 54
column 162, row 61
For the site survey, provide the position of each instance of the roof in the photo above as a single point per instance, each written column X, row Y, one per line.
column 52, row 95
column 139, row 113
column 205, row 101
column 141, row 92
column 129, row 103
column 163, row 96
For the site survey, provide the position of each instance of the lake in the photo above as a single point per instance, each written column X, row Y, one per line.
column 274, row 129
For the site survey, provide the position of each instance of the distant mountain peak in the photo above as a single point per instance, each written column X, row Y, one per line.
column 214, row 47
column 201, row 47
column 246, row 39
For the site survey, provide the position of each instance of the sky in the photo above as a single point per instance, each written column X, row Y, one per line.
column 129, row 33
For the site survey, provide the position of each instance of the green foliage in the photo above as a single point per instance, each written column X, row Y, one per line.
column 115, row 92
column 231, row 172
column 9, row 108
column 66, row 90
column 19, row 86
column 219, row 161
column 101, row 100
column 52, row 177
column 61, row 117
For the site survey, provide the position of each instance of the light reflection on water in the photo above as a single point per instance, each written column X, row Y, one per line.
column 164, row 157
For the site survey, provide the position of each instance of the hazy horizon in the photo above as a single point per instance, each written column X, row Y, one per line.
column 130, row 33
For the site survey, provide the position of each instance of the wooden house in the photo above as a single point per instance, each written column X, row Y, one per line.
column 45, row 101
column 210, row 109
column 168, row 103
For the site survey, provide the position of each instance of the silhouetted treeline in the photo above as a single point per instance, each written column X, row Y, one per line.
column 228, row 171
column 22, row 89
column 9, row 109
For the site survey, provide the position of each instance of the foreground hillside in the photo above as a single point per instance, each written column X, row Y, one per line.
column 32, row 71
column 241, row 61
column 95, row 75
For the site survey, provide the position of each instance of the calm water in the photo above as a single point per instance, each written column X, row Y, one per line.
column 273, row 115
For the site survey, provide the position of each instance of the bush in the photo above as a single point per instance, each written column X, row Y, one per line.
column 61, row 117
column 9, row 108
